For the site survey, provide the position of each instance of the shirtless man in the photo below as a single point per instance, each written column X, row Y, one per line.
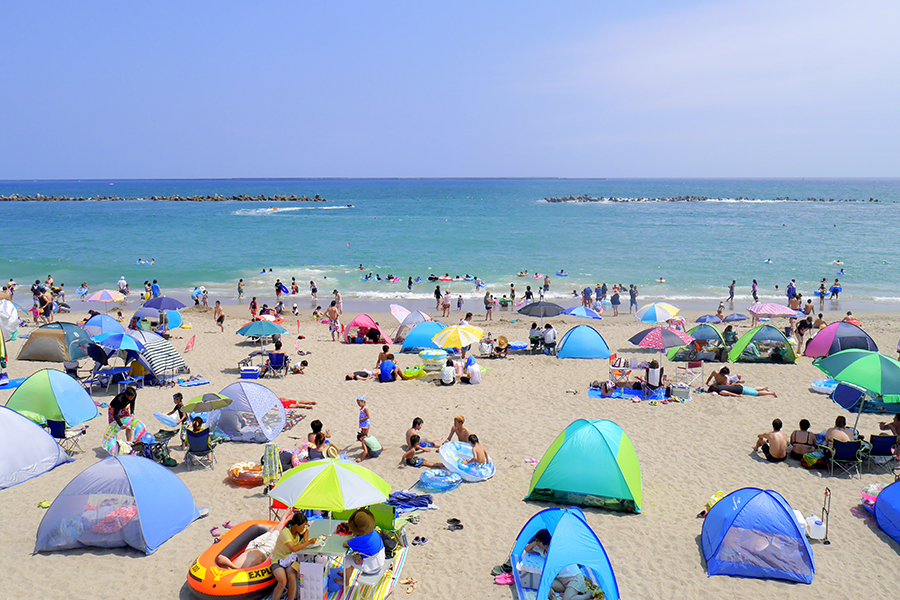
column 414, row 430
column 773, row 444
column 481, row 455
column 840, row 432
column 219, row 316
column 383, row 355
column 819, row 322
column 459, row 428
column 332, row 313
column 720, row 376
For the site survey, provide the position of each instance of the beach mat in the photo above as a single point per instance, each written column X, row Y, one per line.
column 658, row 394
column 12, row 384
column 193, row 382
column 291, row 418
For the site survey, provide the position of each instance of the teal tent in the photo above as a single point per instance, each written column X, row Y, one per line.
column 591, row 463
column 572, row 542
column 582, row 341
column 758, row 344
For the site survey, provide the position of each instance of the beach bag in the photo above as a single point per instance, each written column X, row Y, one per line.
column 390, row 542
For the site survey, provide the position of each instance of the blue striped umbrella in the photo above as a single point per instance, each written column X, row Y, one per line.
column 118, row 341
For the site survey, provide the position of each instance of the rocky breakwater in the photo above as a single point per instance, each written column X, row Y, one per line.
column 587, row 198
column 213, row 198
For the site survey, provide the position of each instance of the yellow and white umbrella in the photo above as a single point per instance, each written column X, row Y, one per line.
column 458, row 336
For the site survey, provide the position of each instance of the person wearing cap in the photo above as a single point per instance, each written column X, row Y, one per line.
column 295, row 309
column 366, row 547
column 123, row 285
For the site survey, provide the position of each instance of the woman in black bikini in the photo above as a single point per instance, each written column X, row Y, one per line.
column 802, row 441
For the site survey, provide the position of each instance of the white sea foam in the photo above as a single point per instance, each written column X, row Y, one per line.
column 272, row 210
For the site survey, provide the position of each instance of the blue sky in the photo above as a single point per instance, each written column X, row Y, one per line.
column 409, row 89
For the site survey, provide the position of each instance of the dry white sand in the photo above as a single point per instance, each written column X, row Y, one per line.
column 687, row 452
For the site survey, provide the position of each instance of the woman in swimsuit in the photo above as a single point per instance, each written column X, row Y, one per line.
column 802, row 441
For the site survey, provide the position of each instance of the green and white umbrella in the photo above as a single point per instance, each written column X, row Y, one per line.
column 206, row 403
column 329, row 484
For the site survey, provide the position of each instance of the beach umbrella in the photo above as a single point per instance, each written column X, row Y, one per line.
column 660, row 338
column 458, row 336
column 145, row 337
column 206, row 403
column 330, row 484
column 770, row 309
column 118, row 341
column 261, row 329
column 870, row 371
column 541, row 309
column 709, row 319
column 163, row 303
column 99, row 324
column 735, row 317
column 105, row 296
column 96, row 353
column 583, row 313
column 656, row 312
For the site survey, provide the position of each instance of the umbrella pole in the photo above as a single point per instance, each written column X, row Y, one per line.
column 862, row 405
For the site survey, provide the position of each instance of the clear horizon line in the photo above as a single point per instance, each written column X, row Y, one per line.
column 463, row 178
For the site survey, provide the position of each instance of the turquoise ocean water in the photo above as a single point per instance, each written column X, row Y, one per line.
column 489, row 228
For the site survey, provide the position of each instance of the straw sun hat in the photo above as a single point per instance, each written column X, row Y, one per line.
column 502, row 342
column 361, row 522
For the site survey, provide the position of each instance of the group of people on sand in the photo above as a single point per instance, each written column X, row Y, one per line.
column 415, row 445
column 776, row 446
column 723, row 383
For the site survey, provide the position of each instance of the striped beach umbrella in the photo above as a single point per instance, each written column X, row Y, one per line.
column 657, row 312
column 330, row 484
column 105, row 296
column 870, row 371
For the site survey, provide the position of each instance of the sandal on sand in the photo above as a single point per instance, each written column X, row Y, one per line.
column 407, row 581
column 454, row 527
column 453, row 521
column 504, row 579
column 412, row 587
column 227, row 525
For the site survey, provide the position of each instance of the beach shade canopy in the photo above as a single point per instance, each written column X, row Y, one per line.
column 660, row 338
column 572, row 542
column 704, row 332
column 836, row 337
column 56, row 342
column 330, row 484
column 261, row 329
column 770, row 309
column 145, row 337
column 754, row 533
column 120, row 501
column 735, row 317
column 870, row 371
column 163, row 303
column 9, row 319
column 54, row 395
column 99, row 324
column 26, row 449
column 400, row 312
column 118, row 341
column 541, row 309
column 582, row 312
column 656, row 312
column 412, row 319
column 457, row 336
column 365, row 321
column 206, row 403
column 420, row 337
column 591, row 463
column 105, row 296
column 887, row 511
column 709, row 319
column 255, row 414
column 582, row 341
column 159, row 357
column 150, row 314
column 746, row 349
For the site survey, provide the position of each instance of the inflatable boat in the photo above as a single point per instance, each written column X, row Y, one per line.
column 208, row 581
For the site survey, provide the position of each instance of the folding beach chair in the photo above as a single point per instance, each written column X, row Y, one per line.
column 278, row 364
column 880, row 455
column 68, row 439
column 199, row 450
column 847, row 456
column 619, row 371
column 689, row 373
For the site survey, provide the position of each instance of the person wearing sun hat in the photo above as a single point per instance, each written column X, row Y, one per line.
column 366, row 548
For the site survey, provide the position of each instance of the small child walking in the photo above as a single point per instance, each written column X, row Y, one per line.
column 364, row 415
column 459, row 303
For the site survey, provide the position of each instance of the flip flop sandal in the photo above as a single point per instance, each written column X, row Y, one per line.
column 227, row 524
column 416, row 541
column 412, row 587
column 455, row 527
column 454, row 521
column 423, row 541
column 408, row 581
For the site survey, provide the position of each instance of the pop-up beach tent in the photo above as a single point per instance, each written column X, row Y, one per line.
column 119, row 501
column 754, row 533
column 55, row 396
column 255, row 414
column 705, row 333
column 839, row 336
column 367, row 322
column 159, row 357
column 887, row 511
column 56, row 342
column 26, row 449
column 419, row 338
column 591, row 463
column 582, row 341
column 746, row 349
column 408, row 324
column 572, row 542
column 9, row 319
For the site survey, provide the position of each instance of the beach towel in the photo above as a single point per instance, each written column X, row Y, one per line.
column 657, row 394
column 408, row 501
column 272, row 468
column 291, row 418
column 192, row 382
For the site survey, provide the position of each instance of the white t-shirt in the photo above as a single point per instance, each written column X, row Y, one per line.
column 474, row 373
column 570, row 571
column 549, row 336
column 448, row 374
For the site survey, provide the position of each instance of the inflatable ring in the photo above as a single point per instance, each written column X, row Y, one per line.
column 439, row 479
column 246, row 473
column 453, row 455
column 562, row 274
column 209, row 581
column 415, row 372
column 110, row 442
column 824, row 386
column 301, row 454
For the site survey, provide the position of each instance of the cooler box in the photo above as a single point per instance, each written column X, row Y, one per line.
column 249, row 372
column 682, row 393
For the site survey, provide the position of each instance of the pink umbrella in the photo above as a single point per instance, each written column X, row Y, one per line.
column 399, row 312
column 770, row 309
column 660, row 338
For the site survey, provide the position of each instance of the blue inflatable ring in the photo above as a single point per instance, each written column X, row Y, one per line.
column 439, row 479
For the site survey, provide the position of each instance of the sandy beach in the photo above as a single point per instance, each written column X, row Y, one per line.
column 687, row 451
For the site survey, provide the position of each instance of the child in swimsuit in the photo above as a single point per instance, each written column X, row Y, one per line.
column 409, row 458
column 364, row 416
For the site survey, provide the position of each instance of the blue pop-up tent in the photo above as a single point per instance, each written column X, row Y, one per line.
column 572, row 542
column 887, row 510
column 26, row 450
column 754, row 533
column 582, row 341
column 120, row 501
column 419, row 337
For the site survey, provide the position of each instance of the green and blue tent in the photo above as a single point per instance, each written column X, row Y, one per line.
column 762, row 333
column 591, row 463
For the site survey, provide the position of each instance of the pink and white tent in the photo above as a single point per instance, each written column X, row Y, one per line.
column 365, row 321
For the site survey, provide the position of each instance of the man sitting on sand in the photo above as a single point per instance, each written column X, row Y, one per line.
column 414, row 430
column 480, row 454
column 459, row 428
column 409, row 458
column 388, row 371
column 773, row 444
